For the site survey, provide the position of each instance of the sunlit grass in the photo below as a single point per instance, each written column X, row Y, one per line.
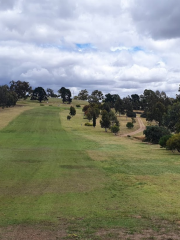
column 52, row 168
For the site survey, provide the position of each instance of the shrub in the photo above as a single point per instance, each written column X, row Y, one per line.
column 131, row 114
column 133, row 120
column 163, row 140
column 88, row 124
column 154, row 133
column 173, row 143
column 129, row 125
column 143, row 115
column 78, row 105
column 115, row 129
column 72, row 111
column 68, row 117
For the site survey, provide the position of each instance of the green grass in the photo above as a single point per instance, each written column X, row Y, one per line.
column 52, row 169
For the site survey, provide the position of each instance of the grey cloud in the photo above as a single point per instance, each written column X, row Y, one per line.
column 158, row 19
column 7, row 4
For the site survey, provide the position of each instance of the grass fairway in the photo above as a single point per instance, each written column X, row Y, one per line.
column 83, row 183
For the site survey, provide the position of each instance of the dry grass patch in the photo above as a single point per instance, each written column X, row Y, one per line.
column 8, row 114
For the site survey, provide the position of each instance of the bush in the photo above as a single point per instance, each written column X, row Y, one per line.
column 154, row 133
column 72, row 111
column 133, row 120
column 88, row 124
column 143, row 115
column 78, row 105
column 163, row 140
column 129, row 125
column 173, row 143
column 131, row 114
column 68, row 117
column 115, row 129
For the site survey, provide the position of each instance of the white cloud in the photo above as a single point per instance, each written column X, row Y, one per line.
column 124, row 46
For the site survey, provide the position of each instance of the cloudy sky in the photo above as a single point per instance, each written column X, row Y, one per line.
column 118, row 46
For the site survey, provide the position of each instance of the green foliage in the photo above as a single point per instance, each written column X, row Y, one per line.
column 88, row 124
column 105, row 120
column 173, row 143
column 72, row 111
column 111, row 99
column 163, row 140
column 135, row 101
column 154, row 133
column 68, row 117
column 115, row 129
column 50, row 93
column 78, row 106
column 156, row 113
column 172, row 119
column 133, row 120
column 8, row 98
column 143, row 115
column 65, row 94
column 39, row 94
column 129, row 125
column 22, row 89
column 91, row 110
column 95, row 97
column 119, row 106
column 83, row 95
column 106, row 106
column 131, row 114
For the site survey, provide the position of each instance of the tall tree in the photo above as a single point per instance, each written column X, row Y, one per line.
column 135, row 101
column 157, row 113
column 39, row 94
column 172, row 118
column 119, row 106
column 111, row 99
column 65, row 94
column 22, row 89
column 105, row 121
column 50, row 93
column 8, row 98
column 83, row 95
column 95, row 97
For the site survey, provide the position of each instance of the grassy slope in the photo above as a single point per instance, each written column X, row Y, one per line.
column 51, row 168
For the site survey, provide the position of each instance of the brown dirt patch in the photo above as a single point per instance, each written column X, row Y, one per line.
column 25, row 232
column 115, row 234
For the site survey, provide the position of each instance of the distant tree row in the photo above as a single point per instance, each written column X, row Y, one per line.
column 156, row 106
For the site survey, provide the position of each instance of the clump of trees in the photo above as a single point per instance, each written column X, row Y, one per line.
column 154, row 133
column 109, row 120
column 22, row 89
column 8, row 97
column 173, row 143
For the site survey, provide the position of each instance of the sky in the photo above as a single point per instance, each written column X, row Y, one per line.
column 119, row 47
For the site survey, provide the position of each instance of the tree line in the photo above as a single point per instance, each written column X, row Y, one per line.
column 156, row 105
